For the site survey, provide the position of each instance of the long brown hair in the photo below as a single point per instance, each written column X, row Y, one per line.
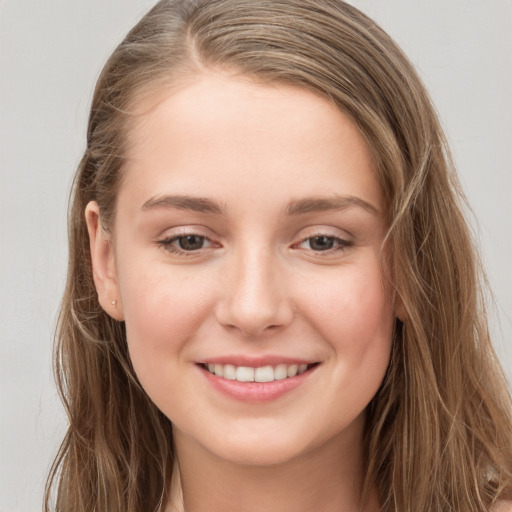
column 438, row 432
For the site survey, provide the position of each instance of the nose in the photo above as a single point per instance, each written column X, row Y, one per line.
column 255, row 298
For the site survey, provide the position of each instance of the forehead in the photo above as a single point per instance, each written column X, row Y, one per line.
column 218, row 133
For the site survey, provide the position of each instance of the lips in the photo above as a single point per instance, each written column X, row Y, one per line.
column 256, row 380
column 267, row 373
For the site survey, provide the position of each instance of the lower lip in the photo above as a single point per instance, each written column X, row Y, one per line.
column 256, row 391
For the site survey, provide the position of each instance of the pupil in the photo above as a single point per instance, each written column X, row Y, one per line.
column 321, row 243
column 191, row 242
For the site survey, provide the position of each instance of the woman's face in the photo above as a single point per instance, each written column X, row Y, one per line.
column 247, row 245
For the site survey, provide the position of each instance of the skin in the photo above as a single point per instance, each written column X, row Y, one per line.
column 255, row 285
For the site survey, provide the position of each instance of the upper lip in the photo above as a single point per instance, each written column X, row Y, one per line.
column 255, row 361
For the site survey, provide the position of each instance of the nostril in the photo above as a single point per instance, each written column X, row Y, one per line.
column 254, row 302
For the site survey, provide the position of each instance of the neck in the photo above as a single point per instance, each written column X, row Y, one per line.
column 325, row 479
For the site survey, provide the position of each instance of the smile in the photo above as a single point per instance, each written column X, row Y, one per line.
column 259, row 374
column 250, row 382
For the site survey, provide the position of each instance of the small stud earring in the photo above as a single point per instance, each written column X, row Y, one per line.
column 114, row 304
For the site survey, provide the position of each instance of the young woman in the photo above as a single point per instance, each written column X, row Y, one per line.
column 273, row 302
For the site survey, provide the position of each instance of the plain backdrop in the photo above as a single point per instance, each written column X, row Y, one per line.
column 51, row 54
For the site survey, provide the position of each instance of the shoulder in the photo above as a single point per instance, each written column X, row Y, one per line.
column 502, row 506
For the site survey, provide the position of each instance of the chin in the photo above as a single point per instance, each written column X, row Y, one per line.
column 260, row 454
column 267, row 446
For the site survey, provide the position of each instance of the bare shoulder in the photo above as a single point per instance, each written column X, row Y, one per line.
column 502, row 506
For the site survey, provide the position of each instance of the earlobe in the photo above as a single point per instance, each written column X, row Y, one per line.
column 103, row 264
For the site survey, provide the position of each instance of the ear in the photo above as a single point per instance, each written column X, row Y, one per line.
column 103, row 264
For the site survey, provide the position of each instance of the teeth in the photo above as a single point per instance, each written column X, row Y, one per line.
column 229, row 372
column 245, row 374
column 260, row 374
column 280, row 372
column 292, row 370
column 264, row 374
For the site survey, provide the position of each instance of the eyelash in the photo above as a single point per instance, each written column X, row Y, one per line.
column 168, row 244
column 339, row 243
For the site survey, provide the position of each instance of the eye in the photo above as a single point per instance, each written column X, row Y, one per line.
column 322, row 243
column 190, row 242
column 185, row 244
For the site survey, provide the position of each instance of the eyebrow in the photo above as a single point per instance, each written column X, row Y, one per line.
column 294, row 207
column 181, row 202
column 321, row 204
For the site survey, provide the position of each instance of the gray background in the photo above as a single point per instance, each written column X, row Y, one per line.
column 51, row 55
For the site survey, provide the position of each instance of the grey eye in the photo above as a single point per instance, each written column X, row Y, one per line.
column 190, row 242
column 321, row 243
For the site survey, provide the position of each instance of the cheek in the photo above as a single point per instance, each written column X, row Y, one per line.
column 163, row 308
column 353, row 311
